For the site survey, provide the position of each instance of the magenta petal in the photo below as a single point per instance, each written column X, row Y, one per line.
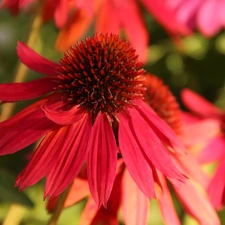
column 25, row 91
column 135, row 205
column 152, row 147
column 134, row 159
column 64, row 117
column 216, row 188
column 102, row 160
column 161, row 128
column 199, row 105
column 36, row 62
column 44, row 158
column 71, row 158
column 23, row 129
column 213, row 151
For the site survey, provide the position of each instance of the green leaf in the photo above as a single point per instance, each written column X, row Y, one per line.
column 9, row 193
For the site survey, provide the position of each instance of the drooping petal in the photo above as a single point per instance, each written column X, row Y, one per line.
column 44, row 158
column 128, row 10
column 135, row 205
column 152, row 147
column 24, row 128
column 71, row 33
column 208, row 19
column 25, row 91
column 214, row 150
column 78, row 191
column 216, row 188
column 35, row 61
column 101, row 161
column 64, row 117
column 134, row 159
column 95, row 216
column 200, row 132
column 165, row 16
column 161, row 128
column 199, row 105
column 194, row 198
column 71, row 159
column 61, row 13
column 166, row 205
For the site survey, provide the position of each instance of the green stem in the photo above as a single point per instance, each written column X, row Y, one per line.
column 59, row 207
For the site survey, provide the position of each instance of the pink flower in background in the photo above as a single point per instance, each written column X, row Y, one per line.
column 214, row 151
column 93, row 101
column 206, row 15
column 130, row 199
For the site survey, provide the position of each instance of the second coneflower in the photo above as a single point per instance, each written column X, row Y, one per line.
column 94, row 101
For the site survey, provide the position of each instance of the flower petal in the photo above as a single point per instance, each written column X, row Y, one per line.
column 36, row 62
column 152, row 147
column 199, row 105
column 71, row 159
column 135, row 205
column 216, row 188
column 161, row 128
column 213, row 151
column 63, row 117
column 192, row 199
column 26, row 91
column 129, row 9
column 101, row 161
column 166, row 205
column 165, row 16
column 134, row 159
column 208, row 18
column 44, row 158
column 61, row 13
column 24, row 128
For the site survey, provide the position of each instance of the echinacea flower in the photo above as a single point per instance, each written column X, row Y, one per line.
column 93, row 100
column 206, row 15
column 127, row 197
column 214, row 149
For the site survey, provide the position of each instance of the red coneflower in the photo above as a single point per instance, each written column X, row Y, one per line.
column 94, row 101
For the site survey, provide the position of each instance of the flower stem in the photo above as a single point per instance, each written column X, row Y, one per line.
column 59, row 207
column 21, row 72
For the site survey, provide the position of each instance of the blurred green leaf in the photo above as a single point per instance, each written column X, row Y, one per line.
column 9, row 193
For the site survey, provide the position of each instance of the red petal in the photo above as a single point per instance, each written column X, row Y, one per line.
column 23, row 129
column 135, row 205
column 166, row 204
column 152, row 147
column 166, row 17
column 71, row 159
column 61, row 13
column 101, row 161
column 199, row 105
column 161, row 128
column 25, row 91
column 36, row 62
column 64, row 117
column 134, row 159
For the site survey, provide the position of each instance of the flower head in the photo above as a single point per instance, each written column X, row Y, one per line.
column 93, row 109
